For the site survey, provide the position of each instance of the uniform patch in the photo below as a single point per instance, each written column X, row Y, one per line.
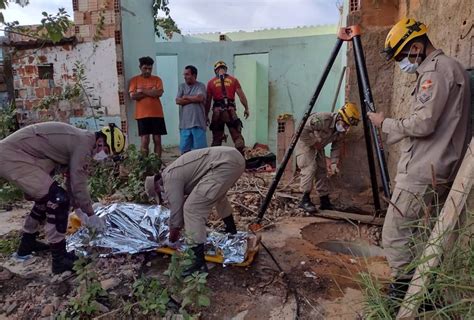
column 426, row 85
column 424, row 96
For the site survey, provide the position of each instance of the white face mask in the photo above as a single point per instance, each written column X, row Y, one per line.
column 100, row 156
column 408, row 67
column 340, row 127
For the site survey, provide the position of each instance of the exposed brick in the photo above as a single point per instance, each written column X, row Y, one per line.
column 118, row 37
column 123, row 125
column 75, row 5
column 83, row 5
column 22, row 93
column 40, row 94
column 20, row 71
column 17, row 83
column 78, row 112
column 57, row 90
column 84, row 31
column 78, row 17
column 43, row 83
column 121, row 97
column 30, row 70
column 43, row 59
column 25, row 82
column 48, row 91
column 31, row 59
column 117, row 6
column 77, row 30
column 88, row 18
column 119, row 67
column 93, row 5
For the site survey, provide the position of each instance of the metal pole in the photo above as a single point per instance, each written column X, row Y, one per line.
column 368, row 145
column 333, row 107
column 368, row 101
column 306, row 115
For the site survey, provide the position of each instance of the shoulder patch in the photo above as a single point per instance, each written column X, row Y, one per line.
column 424, row 96
column 427, row 84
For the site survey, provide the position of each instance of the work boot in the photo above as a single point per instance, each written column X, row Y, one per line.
column 62, row 260
column 199, row 263
column 29, row 244
column 307, row 205
column 325, row 203
column 230, row 225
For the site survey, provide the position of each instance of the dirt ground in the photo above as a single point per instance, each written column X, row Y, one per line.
column 310, row 268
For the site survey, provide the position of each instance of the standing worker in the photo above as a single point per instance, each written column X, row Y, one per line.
column 436, row 134
column 204, row 176
column 321, row 129
column 192, row 115
column 222, row 89
column 27, row 159
column 146, row 89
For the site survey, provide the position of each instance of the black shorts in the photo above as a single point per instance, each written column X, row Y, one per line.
column 155, row 126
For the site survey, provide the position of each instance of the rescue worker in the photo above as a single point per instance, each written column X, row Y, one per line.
column 221, row 90
column 435, row 135
column 27, row 159
column 204, row 176
column 321, row 129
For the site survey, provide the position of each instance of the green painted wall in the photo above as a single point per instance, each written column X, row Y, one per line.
column 138, row 38
column 294, row 68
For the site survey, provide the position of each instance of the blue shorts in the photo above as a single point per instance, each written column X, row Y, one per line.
column 191, row 139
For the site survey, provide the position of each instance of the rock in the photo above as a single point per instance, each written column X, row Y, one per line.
column 11, row 308
column 47, row 310
column 5, row 274
column 110, row 283
column 101, row 307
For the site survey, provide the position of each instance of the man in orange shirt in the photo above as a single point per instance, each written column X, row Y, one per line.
column 222, row 89
column 146, row 90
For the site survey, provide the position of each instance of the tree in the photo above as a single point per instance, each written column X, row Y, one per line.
column 167, row 23
column 52, row 27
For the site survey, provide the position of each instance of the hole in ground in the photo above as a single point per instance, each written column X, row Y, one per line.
column 341, row 237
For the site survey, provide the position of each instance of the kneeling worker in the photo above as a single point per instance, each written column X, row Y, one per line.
column 321, row 129
column 204, row 176
column 27, row 159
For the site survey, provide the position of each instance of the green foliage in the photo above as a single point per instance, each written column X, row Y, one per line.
column 193, row 289
column 138, row 167
column 450, row 290
column 167, row 23
column 9, row 193
column 9, row 244
column 8, row 122
column 148, row 298
column 85, row 304
column 106, row 178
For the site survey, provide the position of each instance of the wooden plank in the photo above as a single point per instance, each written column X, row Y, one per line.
column 440, row 235
column 339, row 215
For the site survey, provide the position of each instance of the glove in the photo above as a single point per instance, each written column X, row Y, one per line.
column 174, row 234
column 334, row 168
column 95, row 222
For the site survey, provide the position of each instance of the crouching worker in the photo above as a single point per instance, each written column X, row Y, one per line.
column 204, row 176
column 27, row 159
column 321, row 129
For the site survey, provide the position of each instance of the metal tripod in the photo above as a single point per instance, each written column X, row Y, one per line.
column 351, row 33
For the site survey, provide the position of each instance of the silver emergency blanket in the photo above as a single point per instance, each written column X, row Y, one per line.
column 133, row 228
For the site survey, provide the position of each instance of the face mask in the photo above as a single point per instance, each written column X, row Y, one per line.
column 340, row 128
column 408, row 67
column 100, row 156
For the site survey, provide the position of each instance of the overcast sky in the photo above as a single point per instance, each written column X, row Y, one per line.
column 197, row 16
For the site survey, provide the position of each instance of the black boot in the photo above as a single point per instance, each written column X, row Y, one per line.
column 230, row 225
column 307, row 205
column 29, row 244
column 62, row 260
column 325, row 203
column 199, row 263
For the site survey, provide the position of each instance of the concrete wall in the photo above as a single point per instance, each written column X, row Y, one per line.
column 294, row 68
column 450, row 27
column 138, row 40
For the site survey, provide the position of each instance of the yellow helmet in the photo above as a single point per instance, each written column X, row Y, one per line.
column 114, row 138
column 400, row 34
column 219, row 64
column 350, row 114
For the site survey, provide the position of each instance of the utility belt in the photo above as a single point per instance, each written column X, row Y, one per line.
column 224, row 104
